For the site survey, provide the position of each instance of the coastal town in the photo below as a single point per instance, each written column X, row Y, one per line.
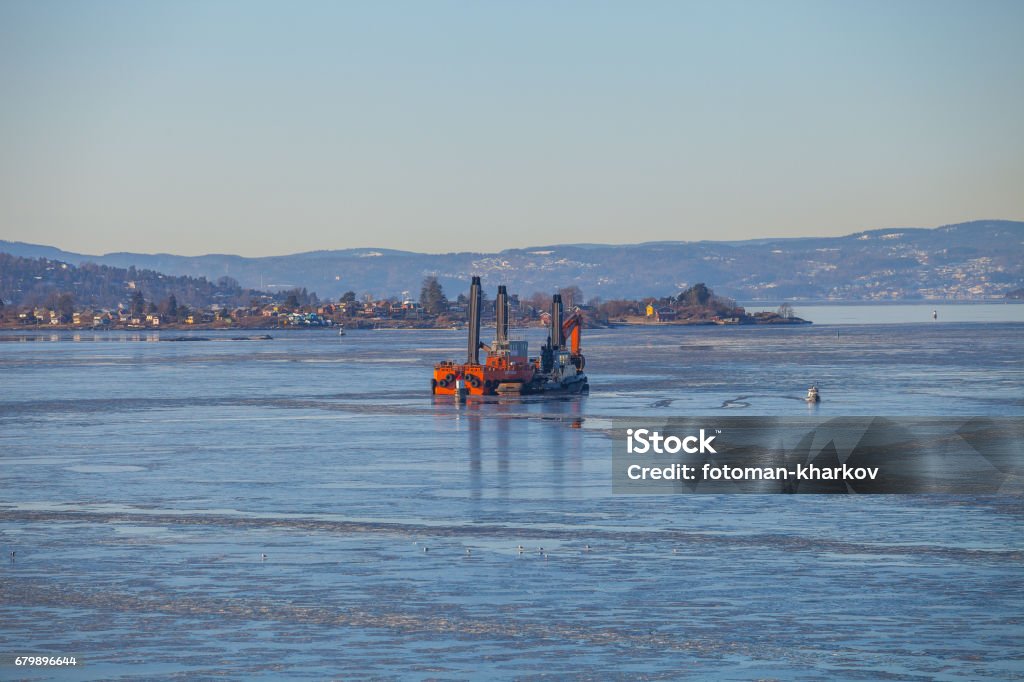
column 301, row 310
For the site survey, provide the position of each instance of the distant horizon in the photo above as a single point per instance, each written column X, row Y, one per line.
column 975, row 260
column 511, row 248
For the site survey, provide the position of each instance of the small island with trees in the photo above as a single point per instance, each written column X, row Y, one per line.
column 697, row 304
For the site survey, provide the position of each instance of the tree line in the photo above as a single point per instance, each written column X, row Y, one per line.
column 695, row 301
column 55, row 285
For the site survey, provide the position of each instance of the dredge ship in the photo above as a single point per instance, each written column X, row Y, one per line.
column 507, row 368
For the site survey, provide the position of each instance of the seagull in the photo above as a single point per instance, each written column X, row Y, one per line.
column 263, row 557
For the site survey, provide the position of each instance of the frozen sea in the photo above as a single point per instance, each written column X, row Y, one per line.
column 142, row 480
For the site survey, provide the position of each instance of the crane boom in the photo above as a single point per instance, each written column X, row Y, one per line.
column 571, row 331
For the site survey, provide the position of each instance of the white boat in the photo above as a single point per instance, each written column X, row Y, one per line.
column 812, row 394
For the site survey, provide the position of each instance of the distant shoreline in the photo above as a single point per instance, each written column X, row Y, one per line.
column 396, row 325
column 930, row 302
column 409, row 325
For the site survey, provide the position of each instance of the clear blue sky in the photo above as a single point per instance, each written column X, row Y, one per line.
column 274, row 127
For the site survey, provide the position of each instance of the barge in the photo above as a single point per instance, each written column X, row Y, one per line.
column 507, row 368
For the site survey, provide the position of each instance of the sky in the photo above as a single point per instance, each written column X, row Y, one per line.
column 266, row 128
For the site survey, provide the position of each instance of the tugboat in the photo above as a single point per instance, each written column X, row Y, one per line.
column 561, row 362
column 507, row 368
column 812, row 394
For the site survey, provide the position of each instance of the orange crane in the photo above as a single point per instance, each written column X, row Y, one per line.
column 571, row 331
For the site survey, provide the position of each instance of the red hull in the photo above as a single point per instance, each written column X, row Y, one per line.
column 480, row 379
